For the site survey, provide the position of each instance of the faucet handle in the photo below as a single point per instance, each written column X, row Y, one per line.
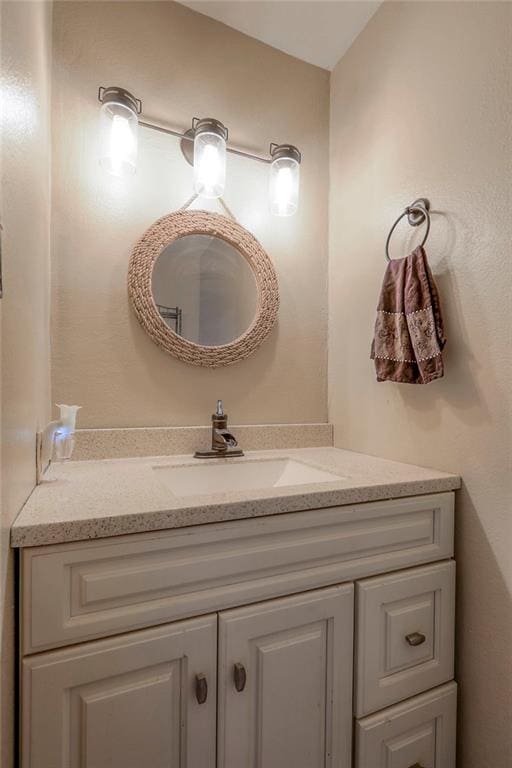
column 220, row 408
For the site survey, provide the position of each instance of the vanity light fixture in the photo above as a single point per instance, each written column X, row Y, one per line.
column 284, row 179
column 204, row 146
column 210, row 138
column 118, row 130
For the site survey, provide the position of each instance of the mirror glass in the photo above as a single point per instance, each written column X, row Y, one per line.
column 204, row 289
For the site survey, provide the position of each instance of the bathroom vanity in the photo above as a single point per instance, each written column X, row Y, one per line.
column 306, row 624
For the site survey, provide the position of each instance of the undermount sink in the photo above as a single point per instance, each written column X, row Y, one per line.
column 243, row 475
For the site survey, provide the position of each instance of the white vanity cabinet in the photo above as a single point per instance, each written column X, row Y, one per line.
column 150, row 697
column 259, row 643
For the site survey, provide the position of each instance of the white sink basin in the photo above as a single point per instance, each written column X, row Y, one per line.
column 239, row 475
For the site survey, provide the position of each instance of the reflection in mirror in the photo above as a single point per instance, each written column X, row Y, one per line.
column 204, row 290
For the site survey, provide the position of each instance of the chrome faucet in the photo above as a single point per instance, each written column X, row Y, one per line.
column 224, row 443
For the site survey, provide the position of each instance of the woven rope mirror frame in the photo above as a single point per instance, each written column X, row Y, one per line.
column 161, row 234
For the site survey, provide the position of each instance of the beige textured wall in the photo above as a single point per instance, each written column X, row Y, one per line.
column 421, row 105
column 181, row 64
column 25, row 200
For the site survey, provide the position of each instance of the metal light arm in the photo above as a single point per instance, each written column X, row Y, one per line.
column 188, row 135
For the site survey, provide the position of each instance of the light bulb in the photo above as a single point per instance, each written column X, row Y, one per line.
column 209, row 169
column 122, row 144
column 284, row 180
column 118, row 132
column 283, row 191
column 210, row 158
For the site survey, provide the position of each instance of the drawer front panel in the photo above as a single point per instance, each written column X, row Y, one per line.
column 405, row 634
column 80, row 591
column 419, row 733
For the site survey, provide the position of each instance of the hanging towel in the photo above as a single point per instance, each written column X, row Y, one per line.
column 409, row 336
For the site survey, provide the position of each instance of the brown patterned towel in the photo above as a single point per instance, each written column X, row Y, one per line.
column 409, row 335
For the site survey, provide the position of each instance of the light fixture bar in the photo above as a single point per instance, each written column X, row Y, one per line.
column 203, row 145
column 187, row 137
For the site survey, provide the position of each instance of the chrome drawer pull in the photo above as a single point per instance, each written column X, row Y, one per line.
column 240, row 676
column 415, row 638
column 201, row 688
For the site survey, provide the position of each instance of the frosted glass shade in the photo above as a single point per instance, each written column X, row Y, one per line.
column 209, row 164
column 284, row 186
column 118, row 139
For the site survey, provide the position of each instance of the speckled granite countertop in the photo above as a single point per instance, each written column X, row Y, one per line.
column 94, row 499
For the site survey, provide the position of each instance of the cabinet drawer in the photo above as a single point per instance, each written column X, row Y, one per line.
column 80, row 591
column 405, row 635
column 419, row 733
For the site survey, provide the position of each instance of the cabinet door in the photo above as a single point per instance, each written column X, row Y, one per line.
column 285, row 682
column 126, row 702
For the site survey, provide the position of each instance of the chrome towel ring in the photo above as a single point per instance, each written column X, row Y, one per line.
column 416, row 214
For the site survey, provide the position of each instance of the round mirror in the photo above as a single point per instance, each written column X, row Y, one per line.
column 204, row 290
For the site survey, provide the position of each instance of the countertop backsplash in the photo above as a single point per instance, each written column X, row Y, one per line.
column 95, row 444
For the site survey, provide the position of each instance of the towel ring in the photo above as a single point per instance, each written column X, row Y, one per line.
column 416, row 215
